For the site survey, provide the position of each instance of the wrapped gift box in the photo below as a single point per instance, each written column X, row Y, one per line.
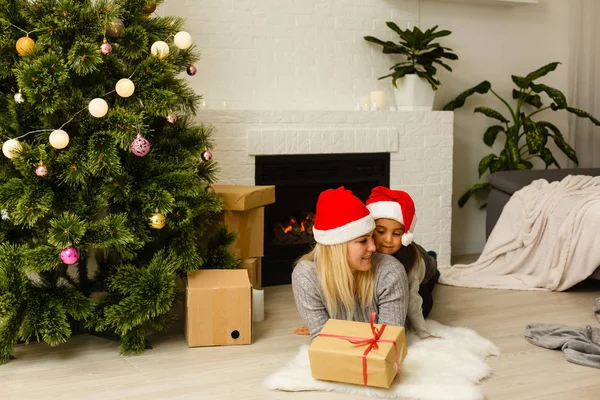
column 357, row 352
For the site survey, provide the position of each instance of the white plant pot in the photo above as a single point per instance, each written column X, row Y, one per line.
column 414, row 94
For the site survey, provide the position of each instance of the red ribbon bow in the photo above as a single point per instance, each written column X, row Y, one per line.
column 372, row 343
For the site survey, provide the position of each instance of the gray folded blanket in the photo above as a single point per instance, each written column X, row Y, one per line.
column 580, row 345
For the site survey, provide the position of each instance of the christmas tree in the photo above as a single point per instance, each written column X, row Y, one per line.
column 104, row 189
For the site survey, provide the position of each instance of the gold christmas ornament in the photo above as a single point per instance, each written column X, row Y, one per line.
column 98, row 107
column 25, row 46
column 59, row 139
column 125, row 87
column 160, row 49
column 183, row 40
column 157, row 220
column 11, row 148
column 115, row 28
column 150, row 7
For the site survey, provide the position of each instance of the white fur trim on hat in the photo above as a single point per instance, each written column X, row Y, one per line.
column 346, row 232
column 407, row 238
column 386, row 209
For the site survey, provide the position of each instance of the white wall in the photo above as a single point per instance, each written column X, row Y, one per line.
column 309, row 54
column 493, row 42
column 289, row 54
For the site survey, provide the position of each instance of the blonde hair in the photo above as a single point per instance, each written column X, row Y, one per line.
column 340, row 286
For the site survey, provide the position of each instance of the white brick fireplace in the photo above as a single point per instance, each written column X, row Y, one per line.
column 419, row 143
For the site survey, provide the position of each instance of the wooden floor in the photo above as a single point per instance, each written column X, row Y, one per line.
column 88, row 367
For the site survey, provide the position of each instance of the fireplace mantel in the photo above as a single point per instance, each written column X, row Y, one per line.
column 420, row 145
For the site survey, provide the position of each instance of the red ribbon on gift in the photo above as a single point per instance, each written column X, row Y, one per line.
column 372, row 343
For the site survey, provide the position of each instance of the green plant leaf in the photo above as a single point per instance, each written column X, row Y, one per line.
column 534, row 136
column 484, row 164
column 542, row 71
column 498, row 165
column 472, row 190
column 524, row 82
column 583, row 114
column 489, row 137
column 548, row 158
column 488, row 112
column 459, row 101
column 565, row 148
column 396, row 28
column 388, row 47
column 519, row 81
column 552, row 127
column 531, row 99
column 555, row 94
column 524, row 166
column 513, row 154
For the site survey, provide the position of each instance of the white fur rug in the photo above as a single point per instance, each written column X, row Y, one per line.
column 434, row 369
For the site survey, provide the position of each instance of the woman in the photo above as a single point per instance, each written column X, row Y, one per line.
column 343, row 277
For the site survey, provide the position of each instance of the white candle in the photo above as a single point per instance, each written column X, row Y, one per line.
column 258, row 305
column 377, row 100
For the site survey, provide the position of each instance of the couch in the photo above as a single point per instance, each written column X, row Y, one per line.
column 505, row 183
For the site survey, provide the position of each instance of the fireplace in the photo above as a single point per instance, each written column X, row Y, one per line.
column 298, row 180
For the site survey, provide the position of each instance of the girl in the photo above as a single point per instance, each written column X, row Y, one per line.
column 343, row 277
column 393, row 211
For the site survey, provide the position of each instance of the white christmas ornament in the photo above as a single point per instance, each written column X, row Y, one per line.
column 160, row 49
column 19, row 97
column 98, row 107
column 11, row 148
column 183, row 40
column 125, row 87
column 59, row 139
column 4, row 214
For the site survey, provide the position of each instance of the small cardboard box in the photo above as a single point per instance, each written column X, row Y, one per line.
column 337, row 359
column 250, row 228
column 242, row 198
column 244, row 214
column 218, row 308
column 254, row 268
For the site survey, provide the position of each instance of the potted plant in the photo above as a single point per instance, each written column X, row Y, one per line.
column 415, row 77
column 526, row 138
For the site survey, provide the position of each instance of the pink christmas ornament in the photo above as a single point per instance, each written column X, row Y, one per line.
column 105, row 48
column 140, row 146
column 191, row 70
column 206, row 155
column 41, row 170
column 171, row 118
column 70, row 255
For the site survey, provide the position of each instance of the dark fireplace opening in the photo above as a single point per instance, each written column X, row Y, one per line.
column 298, row 180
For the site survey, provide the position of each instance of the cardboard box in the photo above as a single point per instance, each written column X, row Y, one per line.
column 250, row 228
column 254, row 268
column 242, row 198
column 337, row 359
column 218, row 308
column 244, row 214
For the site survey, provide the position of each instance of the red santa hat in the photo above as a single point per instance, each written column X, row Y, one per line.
column 396, row 205
column 341, row 217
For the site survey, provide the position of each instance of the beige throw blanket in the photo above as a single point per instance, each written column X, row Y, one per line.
column 547, row 238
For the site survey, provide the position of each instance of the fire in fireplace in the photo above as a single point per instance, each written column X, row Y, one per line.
column 298, row 180
column 295, row 230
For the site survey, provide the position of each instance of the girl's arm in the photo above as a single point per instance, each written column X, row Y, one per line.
column 415, row 302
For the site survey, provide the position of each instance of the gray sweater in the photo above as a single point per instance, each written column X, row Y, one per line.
column 390, row 297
